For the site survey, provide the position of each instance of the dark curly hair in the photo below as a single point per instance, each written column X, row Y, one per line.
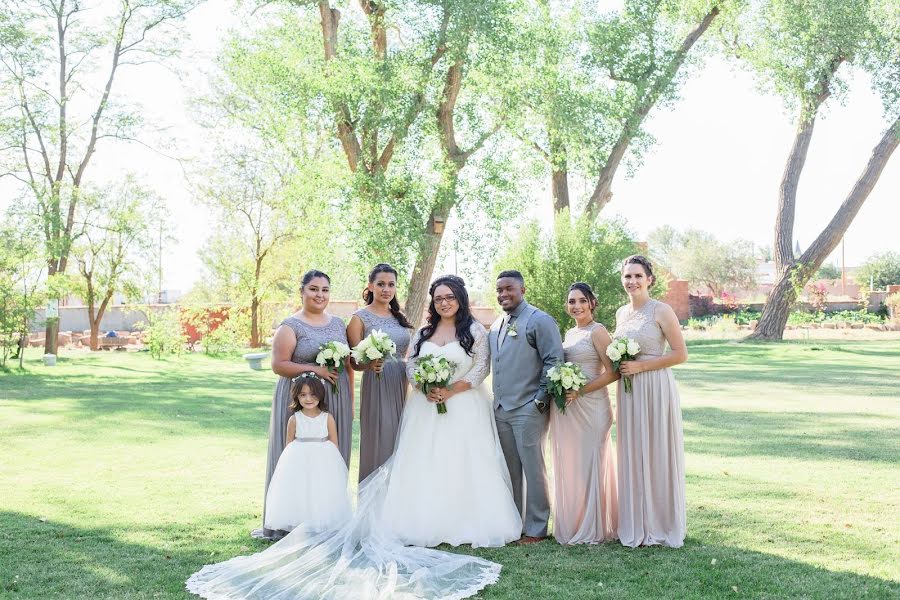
column 316, row 386
column 369, row 297
column 637, row 259
column 464, row 318
column 587, row 291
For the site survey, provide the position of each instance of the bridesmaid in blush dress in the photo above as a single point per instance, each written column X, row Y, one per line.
column 649, row 436
column 294, row 351
column 585, row 509
column 383, row 390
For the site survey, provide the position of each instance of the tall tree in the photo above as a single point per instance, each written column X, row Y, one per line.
column 272, row 176
column 115, row 248
column 52, row 52
column 260, row 213
column 394, row 84
column 705, row 261
column 424, row 74
column 806, row 52
column 21, row 271
column 643, row 50
column 588, row 83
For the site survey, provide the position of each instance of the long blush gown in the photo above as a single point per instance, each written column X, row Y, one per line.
column 650, row 441
column 585, row 507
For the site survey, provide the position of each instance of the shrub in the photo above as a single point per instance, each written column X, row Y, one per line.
column 744, row 316
column 881, row 270
column 230, row 335
column 574, row 251
column 165, row 334
column 828, row 271
column 701, row 306
column 818, row 297
column 730, row 303
column 893, row 306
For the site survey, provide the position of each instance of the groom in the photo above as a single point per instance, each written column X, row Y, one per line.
column 525, row 344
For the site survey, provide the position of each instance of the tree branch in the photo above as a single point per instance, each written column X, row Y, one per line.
column 418, row 100
column 829, row 238
column 346, row 135
column 602, row 193
column 793, row 168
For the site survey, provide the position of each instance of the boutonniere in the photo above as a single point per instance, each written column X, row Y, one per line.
column 511, row 330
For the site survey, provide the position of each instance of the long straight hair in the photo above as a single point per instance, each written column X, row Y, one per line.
column 369, row 297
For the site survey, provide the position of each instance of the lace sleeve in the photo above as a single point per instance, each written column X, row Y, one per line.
column 410, row 361
column 482, row 359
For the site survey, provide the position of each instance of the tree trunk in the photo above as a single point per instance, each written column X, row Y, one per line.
column 787, row 194
column 602, row 193
column 95, row 334
column 559, row 169
column 23, row 344
column 775, row 312
column 560, row 189
column 254, row 323
column 420, row 281
column 773, row 320
column 50, row 333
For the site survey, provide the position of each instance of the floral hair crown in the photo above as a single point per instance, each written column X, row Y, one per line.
column 307, row 375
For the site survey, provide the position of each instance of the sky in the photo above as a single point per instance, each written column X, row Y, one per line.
column 716, row 166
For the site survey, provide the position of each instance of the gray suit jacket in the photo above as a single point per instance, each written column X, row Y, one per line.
column 520, row 366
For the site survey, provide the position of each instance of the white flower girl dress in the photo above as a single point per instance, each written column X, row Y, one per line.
column 309, row 485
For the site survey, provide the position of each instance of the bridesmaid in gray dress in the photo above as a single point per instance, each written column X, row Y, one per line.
column 294, row 351
column 649, row 436
column 585, row 508
column 383, row 390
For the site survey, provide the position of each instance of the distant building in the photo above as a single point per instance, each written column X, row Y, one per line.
column 164, row 297
column 765, row 272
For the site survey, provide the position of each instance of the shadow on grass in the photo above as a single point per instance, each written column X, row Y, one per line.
column 201, row 395
column 228, row 402
column 820, row 436
column 53, row 560
column 612, row 571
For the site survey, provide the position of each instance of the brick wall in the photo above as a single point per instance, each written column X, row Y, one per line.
column 677, row 297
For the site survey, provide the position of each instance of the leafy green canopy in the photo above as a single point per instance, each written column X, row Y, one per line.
column 579, row 250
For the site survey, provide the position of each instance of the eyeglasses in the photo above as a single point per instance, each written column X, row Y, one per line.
column 449, row 299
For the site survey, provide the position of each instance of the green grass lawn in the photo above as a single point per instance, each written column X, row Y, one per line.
column 120, row 476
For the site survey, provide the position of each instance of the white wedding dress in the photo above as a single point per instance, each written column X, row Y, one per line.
column 447, row 482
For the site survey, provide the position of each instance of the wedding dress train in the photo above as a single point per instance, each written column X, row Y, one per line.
column 447, row 482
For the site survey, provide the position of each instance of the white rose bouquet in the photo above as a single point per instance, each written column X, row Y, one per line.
column 332, row 356
column 375, row 346
column 623, row 349
column 433, row 372
column 562, row 378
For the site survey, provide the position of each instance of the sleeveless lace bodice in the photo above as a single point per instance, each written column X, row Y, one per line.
column 579, row 349
column 641, row 326
column 310, row 337
column 473, row 369
column 311, row 429
column 390, row 325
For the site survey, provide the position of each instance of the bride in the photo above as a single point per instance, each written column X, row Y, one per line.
column 447, row 482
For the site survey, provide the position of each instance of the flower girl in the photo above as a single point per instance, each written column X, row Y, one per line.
column 309, row 485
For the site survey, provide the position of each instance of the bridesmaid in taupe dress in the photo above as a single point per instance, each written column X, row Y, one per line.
column 649, row 435
column 294, row 351
column 585, row 508
column 383, row 390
